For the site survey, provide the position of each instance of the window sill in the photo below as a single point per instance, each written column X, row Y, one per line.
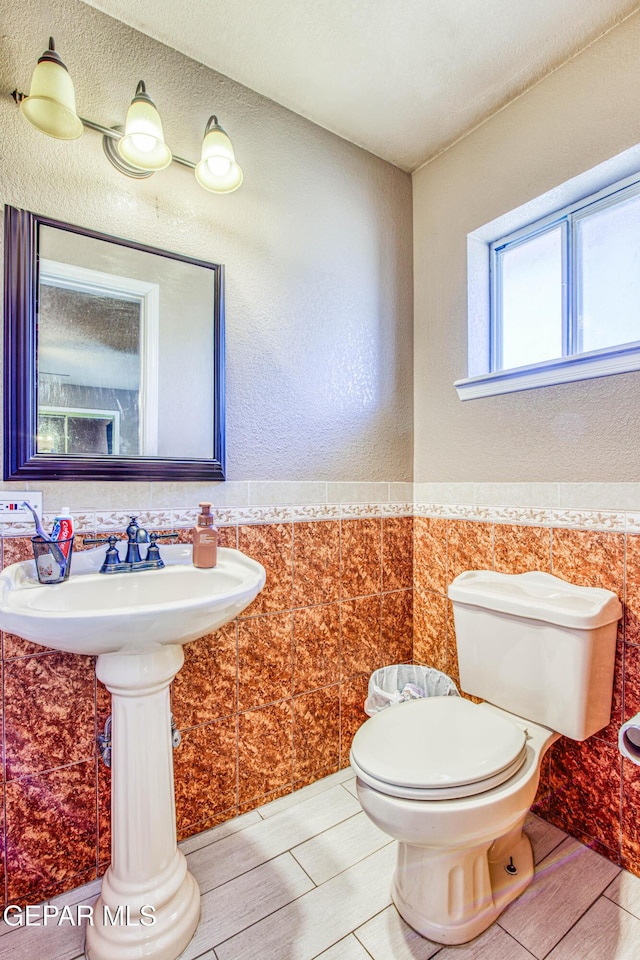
column 584, row 366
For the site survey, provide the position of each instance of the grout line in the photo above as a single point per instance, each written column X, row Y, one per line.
column 42, row 773
column 320, row 833
column 576, row 921
column 565, row 934
column 528, row 952
column 273, row 912
column 566, row 836
column 240, row 930
column 315, row 885
column 318, row 956
column 300, row 799
column 350, row 865
column 213, row 840
column 244, row 873
column 292, row 854
column 614, row 902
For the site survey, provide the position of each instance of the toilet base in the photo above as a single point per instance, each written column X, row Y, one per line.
column 451, row 896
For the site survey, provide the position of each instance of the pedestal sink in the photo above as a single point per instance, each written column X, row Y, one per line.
column 136, row 624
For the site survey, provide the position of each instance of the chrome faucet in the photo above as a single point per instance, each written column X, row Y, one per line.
column 133, row 561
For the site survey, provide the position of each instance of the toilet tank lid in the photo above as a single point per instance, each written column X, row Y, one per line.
column 538, row 596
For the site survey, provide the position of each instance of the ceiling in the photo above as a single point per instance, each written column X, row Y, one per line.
column 402, row 78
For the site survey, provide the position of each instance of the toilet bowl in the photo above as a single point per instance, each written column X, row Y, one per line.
column 453, row 780
column 462, row 855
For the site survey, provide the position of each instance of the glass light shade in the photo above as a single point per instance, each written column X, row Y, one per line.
column 218, row 170
column 51, row 104
column 143, row 143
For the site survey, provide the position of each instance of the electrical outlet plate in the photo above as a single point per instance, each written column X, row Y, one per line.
column 12, row 508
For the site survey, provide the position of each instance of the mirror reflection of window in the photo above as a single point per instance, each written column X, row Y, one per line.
column 89, row 353
column 65, row 431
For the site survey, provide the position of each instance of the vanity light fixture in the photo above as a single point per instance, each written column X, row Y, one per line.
column 142, row 144
column 218, row 169
column 51, row 104
column 138, row 151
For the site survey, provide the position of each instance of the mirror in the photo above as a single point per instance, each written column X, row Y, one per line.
column 114, row 357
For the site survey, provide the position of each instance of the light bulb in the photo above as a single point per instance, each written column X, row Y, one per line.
column 219, row 166
column 143, row 142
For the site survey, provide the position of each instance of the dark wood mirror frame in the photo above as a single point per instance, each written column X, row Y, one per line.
column 21, row 459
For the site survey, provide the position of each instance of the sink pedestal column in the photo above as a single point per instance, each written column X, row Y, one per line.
column 149, row 905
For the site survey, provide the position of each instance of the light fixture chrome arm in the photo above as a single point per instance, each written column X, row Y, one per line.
column 115, row 134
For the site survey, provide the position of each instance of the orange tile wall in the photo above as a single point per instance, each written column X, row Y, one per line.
column 267, row 704
column 271, row 701
column 586, row 788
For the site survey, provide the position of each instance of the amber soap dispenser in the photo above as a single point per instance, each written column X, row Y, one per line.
column 205, row 539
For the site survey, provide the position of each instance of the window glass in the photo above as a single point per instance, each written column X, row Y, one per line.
column 531, row 303
column 608, row 276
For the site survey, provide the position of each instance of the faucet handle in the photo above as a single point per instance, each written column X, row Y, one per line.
column 112, row 557
column 153, row 552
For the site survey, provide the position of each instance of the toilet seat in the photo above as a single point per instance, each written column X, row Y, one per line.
column 437, row 748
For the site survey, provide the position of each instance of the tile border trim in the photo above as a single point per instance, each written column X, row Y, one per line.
column 104, row 520
column 99, row 521
column 617, row 521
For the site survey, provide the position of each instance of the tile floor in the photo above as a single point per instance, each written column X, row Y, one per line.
column 307, row 877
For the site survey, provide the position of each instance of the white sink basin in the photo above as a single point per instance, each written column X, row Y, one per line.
column 94, row 613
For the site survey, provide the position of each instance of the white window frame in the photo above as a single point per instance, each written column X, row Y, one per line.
column 596, row 189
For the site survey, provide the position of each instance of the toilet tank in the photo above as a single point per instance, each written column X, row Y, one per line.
column 537, row 646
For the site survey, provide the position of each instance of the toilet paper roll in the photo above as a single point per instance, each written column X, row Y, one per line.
column 629, row 739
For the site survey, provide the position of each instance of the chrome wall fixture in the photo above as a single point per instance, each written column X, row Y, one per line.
column 139, row 150
column 105, row 743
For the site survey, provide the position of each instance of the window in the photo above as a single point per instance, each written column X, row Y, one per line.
column 65, row 430
column 527, row 306
column 563, row 300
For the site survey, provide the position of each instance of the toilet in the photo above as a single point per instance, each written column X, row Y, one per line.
column 453, row 780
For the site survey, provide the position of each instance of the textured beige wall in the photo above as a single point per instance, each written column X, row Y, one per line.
column 316, row 244
column 575, row 119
